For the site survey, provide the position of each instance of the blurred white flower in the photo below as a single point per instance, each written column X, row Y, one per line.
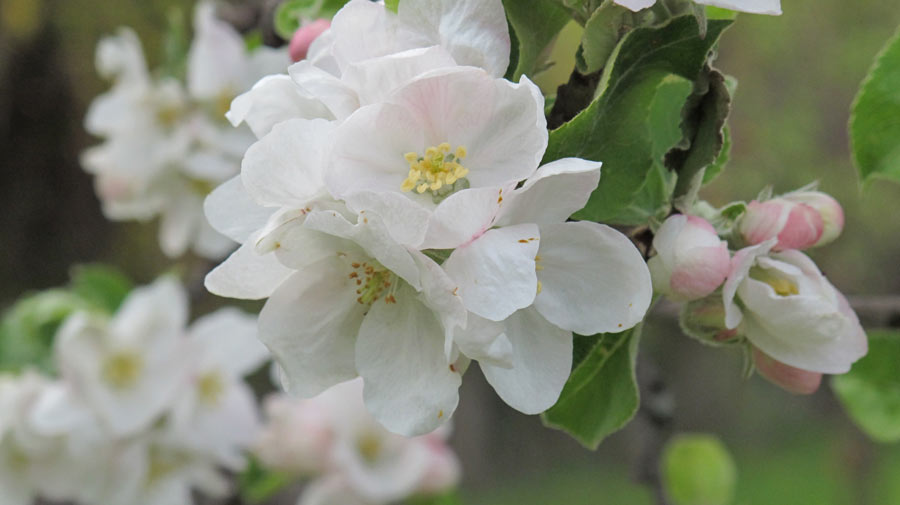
column 166, row 142
column 353, row 458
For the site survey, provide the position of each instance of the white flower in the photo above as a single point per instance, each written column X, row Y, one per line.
column 369, row 52
column 543, row 279
column 129, row 368
column 791, row 312
column 772, row 7
column 216, row 413
column 166, row 143
column 444, row 132
column 356, row 459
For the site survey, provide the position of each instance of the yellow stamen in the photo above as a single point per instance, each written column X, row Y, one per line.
column 122, row 370
column 210, row 388
column 436, row 171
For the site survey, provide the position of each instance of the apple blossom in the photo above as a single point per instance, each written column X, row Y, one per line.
column 353, row 458
column 790, row 311
column 691, row 260
column 772, row 7
column 128, row 368
column 166, row 144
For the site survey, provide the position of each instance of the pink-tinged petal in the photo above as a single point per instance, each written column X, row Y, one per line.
column 763, row 220
column 304, row 37
column 702, row 273
column 802, row 230
column 828, row 208
column 741, row 263
column 791, row 379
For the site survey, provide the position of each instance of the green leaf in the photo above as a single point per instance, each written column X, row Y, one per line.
column 703, row 120
column 601, row 34
column 653, row 200
column 698, row 470
column 614, row 128
column 289, row 15
column 28, row 328
column 102, row 286
column 392, row 5
column 870, row 391
column 601, row 395
column 535, row 24
column 258, row 484
column 875, row 117
column 449, row 498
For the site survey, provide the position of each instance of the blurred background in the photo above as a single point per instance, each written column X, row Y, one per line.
column 797, row 76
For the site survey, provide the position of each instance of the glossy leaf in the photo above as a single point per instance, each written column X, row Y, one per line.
column 614, row 128
column 535, row 24
column 601, row 396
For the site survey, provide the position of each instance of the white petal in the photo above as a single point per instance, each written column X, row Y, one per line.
column 475, row 32
column 179, row 222
column 410, row 387
column 285, row 167
column 273, row 99
column 370, row 233
column 369, row 149
column 363, row 30
column 375, row 79
column 541, row 363
column 439, row 293
column 485, row 341
column 496, row 273
column 464, row 106
column 227, row 338
column 339, row 98
column 247, row 275
column 772, row 7
column 121, row 56
column 556, row 191
column 310, row 323
column 741, row 263
column 464, row 216
column 217, row 56
column 152, row 312
column 635, row 5
column 594, row 280
column 405, row 218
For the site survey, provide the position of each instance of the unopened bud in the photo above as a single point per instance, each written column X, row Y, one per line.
column 691, row 260
column 828, row 208
column 799, row 220
column 304, row 37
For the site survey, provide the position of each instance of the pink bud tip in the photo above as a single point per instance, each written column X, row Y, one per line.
column 792, row 380
column 304, row 37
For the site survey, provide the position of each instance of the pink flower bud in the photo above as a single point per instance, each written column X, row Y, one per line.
column 793, row 380
column 304, row 37
column 691, row 261
column 799, row 220
column 828, row 208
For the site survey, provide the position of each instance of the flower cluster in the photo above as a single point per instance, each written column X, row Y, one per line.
column 768, row 293
column 144, row 411
column 352, row 458
column 166, row 142
column 395, row 215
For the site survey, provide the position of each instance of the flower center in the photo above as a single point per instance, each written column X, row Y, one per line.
column 439, row 171
column 210, row 388
column 372, row 281
column 369, row 446
column 121, row 370
column 781, row 285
